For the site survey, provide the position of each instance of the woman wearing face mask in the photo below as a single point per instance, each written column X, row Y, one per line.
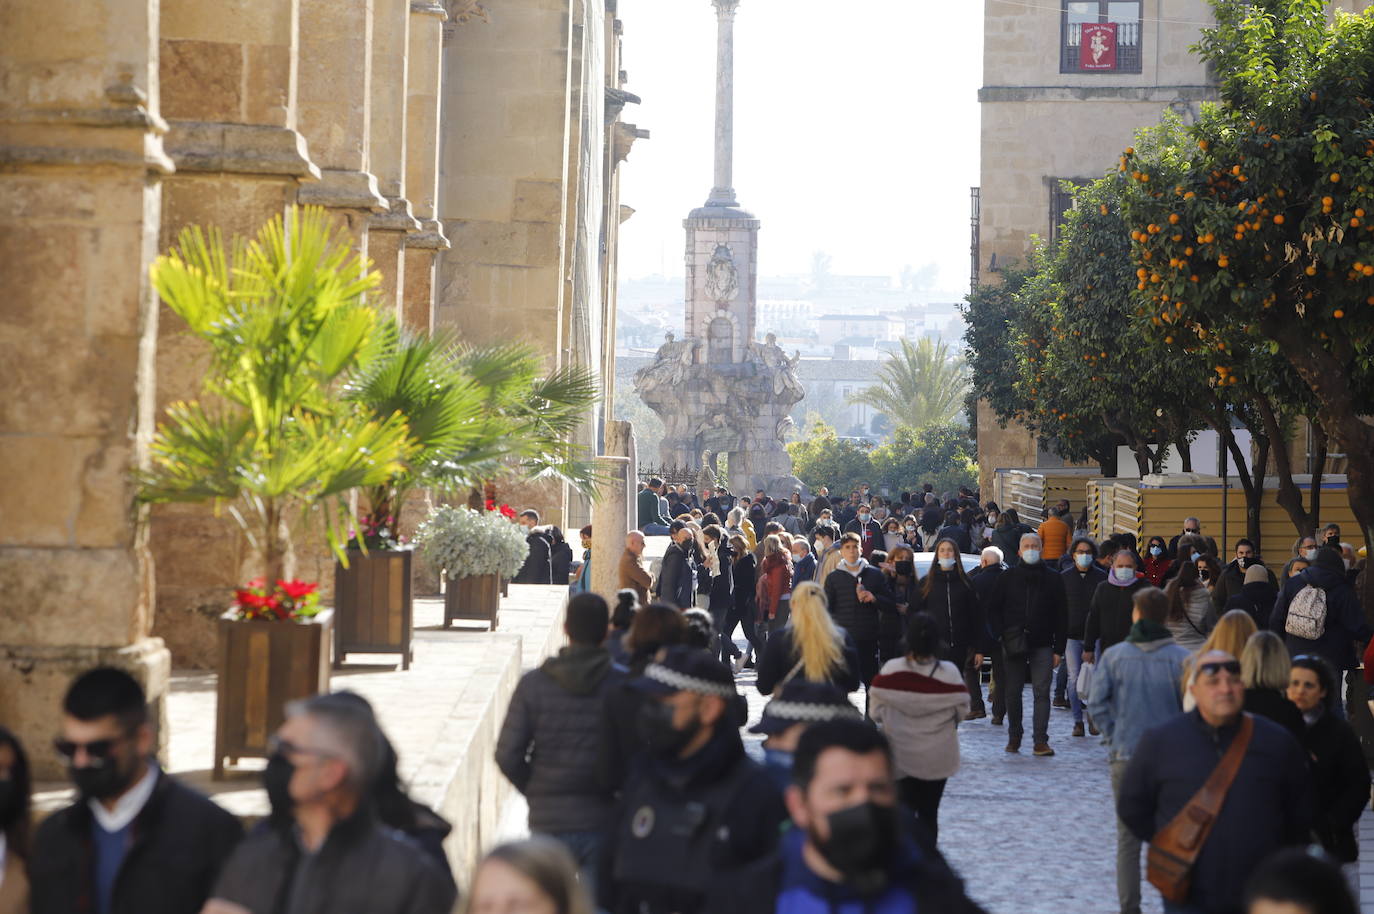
column 1109, row 613
column 911, row 534
column 14, row 825
column 811, row 647
column 919, row 700
column 1081, row 578
column 1191, row 613
column 989, row 526
column 1339, row 772
column 1157, row 562
column 892, row 534
column 947, row 596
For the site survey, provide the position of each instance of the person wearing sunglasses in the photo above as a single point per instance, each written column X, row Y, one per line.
column 1268, row 805
column 323, row 848
column 136, row 839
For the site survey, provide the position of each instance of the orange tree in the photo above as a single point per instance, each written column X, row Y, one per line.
column 1249, row 228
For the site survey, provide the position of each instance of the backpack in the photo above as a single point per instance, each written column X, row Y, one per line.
column 1307, row 614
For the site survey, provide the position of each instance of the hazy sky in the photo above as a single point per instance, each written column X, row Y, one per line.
column 856, row 130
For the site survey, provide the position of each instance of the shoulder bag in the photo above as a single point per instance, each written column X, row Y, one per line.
column 1175, row 847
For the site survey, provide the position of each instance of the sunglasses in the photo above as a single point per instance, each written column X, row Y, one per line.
column 1214, row 667
column 98, row 749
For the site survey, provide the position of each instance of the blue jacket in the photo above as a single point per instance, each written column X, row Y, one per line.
column 1270, row 804
column 805, row 570
column 1134, row 688
column 1345, row 622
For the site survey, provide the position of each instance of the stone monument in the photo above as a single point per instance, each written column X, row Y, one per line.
column 718, row 390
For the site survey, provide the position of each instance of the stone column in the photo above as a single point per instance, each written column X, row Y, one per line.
column 610, row 523
column 80, row 161
column 620, row 442
column 423, row 76
column 723, row 194
column 230, row 97
column 387, row 231
column 335, row 111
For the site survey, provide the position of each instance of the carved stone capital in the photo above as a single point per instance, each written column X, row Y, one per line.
column 340, row 189
column 198, row 146
column 397, row 218
column 725, row 8
column 429, row 237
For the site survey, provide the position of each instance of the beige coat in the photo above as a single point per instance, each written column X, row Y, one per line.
column 14, row 889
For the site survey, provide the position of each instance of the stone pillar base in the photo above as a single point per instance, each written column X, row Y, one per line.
column 33, row 681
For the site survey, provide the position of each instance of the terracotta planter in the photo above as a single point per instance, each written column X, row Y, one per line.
column 477, row 597
column 262, row 666
column 373, row 608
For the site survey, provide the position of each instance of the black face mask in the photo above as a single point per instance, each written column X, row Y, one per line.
column 276, row 777
column 1243, row 561
column 906, row 569
column 862, row 842
column 1334, row 541
column 656, row 728
column 100, row 782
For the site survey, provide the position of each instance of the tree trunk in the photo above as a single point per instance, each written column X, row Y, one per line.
column 1185, row 454
column 1289, row 495
column 275, row 545
column 1253, row 485
column 1318, row 468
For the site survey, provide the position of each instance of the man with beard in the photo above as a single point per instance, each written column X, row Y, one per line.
column 135, row 840
column 853, row 849
column 695, row 809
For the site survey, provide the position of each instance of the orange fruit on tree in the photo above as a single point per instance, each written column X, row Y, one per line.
column 1278, row 220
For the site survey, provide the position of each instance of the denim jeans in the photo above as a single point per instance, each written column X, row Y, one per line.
column 1073, row 660
column 584, row 847
column 1041, row 673
column 654, row 529
column 1127, row 850
column 1061, row 682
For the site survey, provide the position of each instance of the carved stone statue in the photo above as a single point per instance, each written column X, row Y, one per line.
column 722, row 278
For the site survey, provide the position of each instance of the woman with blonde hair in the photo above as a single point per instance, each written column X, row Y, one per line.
column 810, row 647
column 1264, row 667
column 1231, row 634
column 536, row 875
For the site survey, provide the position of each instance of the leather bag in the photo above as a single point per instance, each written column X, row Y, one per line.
column 1175, row 847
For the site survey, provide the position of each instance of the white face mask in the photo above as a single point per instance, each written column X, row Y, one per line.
column 946, row 564
column 1082, row 559
column 1031, row 556
column 1124, row 575
column 1310, row 554
column 910, row 528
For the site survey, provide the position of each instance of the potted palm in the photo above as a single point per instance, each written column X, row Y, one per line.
column 476, row 549
column 286, row 324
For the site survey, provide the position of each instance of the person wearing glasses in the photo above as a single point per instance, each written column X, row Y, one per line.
column 323, row 848
column 135, row 840
column 1270, row 803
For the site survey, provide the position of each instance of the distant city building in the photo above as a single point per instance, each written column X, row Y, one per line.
column 841, row 327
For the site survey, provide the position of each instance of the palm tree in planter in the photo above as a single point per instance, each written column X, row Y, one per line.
column 286, row 322
column 475, row 415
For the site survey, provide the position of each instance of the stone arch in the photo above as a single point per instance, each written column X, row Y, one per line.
column 734, row 352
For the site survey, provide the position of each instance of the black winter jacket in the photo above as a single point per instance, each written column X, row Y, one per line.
column 742, row 573
column 1232, row 582
column 960, row 534
column 1274, row 704
column 362, row 868
column 676, row 583
column 549, row 743
column 538, row 567
column 958, row 613
column 1030, row 597
column 1109, row 614
column 779, row 658
column 1270, row 804
column 1256, row 599
column 1008, row 539
column 180, row 839
column 1079, row 588
column 861, row 620
column 722, row 587
column 1344, row 618
column 1341, row 778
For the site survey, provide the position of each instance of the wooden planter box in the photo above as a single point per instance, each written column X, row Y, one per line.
column 477, row 597
column 262, row 666
column 373, row 608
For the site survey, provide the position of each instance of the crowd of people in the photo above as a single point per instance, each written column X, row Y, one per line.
column 1222, row 693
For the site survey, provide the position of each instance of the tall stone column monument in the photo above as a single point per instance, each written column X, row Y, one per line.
column 718, row 390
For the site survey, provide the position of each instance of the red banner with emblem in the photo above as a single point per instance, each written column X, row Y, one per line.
column 1097, row 46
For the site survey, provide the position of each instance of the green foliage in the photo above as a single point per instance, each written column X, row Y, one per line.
column 939, row 454
column 822, row 458
column 921, row 385
column 286, row 322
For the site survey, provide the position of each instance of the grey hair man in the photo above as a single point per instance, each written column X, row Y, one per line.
column 325, row 849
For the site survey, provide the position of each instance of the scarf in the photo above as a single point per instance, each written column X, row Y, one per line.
column 1146, row 631
column 1111, row 579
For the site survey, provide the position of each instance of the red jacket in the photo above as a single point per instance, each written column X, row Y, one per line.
column 774, row 580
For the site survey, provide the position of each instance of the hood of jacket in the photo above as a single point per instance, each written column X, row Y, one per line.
column 579, row 669
column 1324, row 578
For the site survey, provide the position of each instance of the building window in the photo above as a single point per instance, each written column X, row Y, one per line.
column 1124, row 57
column 1061, row 201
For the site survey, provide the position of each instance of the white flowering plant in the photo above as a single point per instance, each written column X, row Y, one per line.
column 468, row 543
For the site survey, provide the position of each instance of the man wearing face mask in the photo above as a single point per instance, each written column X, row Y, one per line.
column 798, row 706
column 854, row 849
column 676, row 583
column 695, row 809
column 1191, row 527
column 1232, row 579
column 1027, row 612
column 136, row 841
column 323, row 849
column 538, row 567
column 870, row 532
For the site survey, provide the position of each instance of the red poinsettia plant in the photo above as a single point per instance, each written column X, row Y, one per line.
column 506, row 510
column 286, row 601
